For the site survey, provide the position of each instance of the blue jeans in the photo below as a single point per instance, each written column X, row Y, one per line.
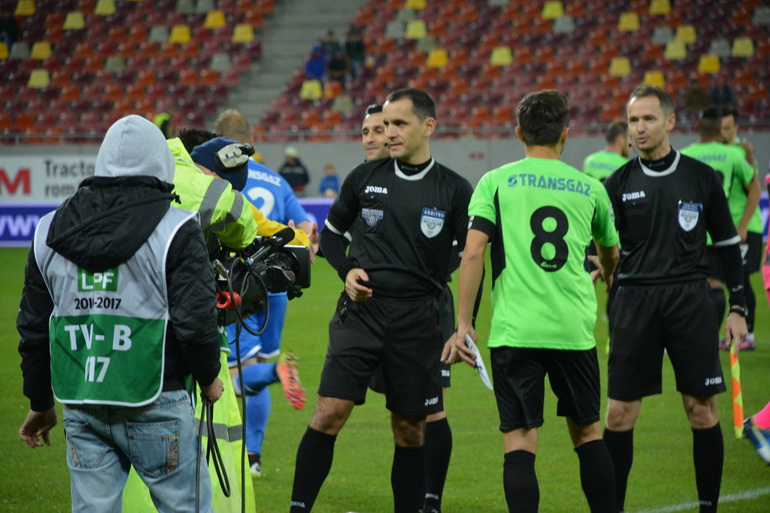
column 159, row 440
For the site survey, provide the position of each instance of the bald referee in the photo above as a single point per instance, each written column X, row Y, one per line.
column 665, row 203
column 403, row 214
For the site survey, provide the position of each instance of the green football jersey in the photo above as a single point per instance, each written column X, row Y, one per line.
column 602, row 164
column 738, row 198
column 545, row 213
column 731, row 164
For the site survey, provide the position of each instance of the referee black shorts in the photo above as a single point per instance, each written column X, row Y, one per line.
column 751, row 252
column 401, row 336
column 519, row 377
column 649, row 320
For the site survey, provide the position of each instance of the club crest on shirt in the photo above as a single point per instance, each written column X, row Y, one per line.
column 371, row 215
column 431, row 222
column 688, row 214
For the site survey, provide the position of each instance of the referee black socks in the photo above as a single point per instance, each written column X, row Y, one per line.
column 406, row 477
column 708, row 453
column 438, row 451
column 522, row 493
column 314, row 460
column 597, row 476
column 620, row 445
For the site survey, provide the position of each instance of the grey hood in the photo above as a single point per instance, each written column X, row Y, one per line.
column 134, row 146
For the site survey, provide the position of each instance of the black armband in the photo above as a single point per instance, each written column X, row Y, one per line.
column 732, row 264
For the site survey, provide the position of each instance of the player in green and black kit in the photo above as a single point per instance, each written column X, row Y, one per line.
column 734, row 172
column 751, row 236
column 540, row 214
column 601, row 164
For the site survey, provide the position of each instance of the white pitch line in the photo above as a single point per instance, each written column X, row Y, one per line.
column 733, row 497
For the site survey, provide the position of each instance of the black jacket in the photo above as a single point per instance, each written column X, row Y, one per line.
column 101, row 226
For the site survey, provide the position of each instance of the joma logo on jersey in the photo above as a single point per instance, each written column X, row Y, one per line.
column 375, row 189
column 713, row 381
column 628, row 196
column 431, row 401
column 105, row 281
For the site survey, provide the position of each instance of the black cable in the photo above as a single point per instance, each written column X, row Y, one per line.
column 212, row 447
column 198, row 461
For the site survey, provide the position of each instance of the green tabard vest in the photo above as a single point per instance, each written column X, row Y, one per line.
column 107, row 330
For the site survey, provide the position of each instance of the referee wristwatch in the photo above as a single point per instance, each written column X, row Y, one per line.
column 740, row 310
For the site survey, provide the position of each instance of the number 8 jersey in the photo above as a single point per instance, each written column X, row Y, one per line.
column 540, row 214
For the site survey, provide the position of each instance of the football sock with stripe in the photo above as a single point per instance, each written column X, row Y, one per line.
column 620, row 445
column 406, row 478
column 438, row 451
column 597, row 476
column 314, row 460
column 522, row 493
column 708, row 456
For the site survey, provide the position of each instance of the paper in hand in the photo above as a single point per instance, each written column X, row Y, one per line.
column 479, row 361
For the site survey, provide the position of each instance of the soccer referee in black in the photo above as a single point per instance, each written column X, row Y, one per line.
column 403, row 214
column 664, row 203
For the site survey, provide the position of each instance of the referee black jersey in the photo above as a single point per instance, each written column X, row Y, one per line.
column 402, row 226
column 663, row 216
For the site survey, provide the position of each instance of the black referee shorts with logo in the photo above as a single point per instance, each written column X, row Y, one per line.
column 675, row 319
column 402, row 336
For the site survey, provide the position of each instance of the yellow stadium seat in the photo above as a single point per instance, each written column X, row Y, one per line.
column 180, row 34
column 25, row 8
column 417, row 5
column 41, row 50
column 437, row 58
column 552, row 10
column 686, row 34
column 39, row 79
column 105, row 7
column 214, row 19
column 675, row 50
column 620, row 66
column 242, row 33
column 660, row 7
column 3, row 50
column 628, row 22
column 415, row 29
column 742, row 47
column 311, row 90
column 74, row 21
column 654, row 77
column 709, row 64
column 501, row 56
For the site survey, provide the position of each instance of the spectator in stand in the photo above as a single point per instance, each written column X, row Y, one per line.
column 355, row 49
column 721, row 94
column 294, row 171
column 330, row 44
column 338, row 67
column 330, row 184
column 315, row 67
column 9, row 29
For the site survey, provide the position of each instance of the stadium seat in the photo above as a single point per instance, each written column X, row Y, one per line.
column 115, row 63
column 552, row 10
column 564, row 25
column 105, row 8
column 662, row 35
column 24, row 8
column 742, row 47
column 74, row 21
column 242, row 33
column 620, row 66
column 41, row 50
column 39, row 79
column 214, row 20
column 686, row 34
column 628, row 22
column 654, row 77
column 761, row 15
column 311, row 90
column 405, row 15
column 719, row 47
column 417, row 5
column 501, row 56
column 19, row 51
column 204, row 6
column 675, row 50
column 3, row 50
column 660, row 7
column 158, row 34
column 709, row 64
column 180, row 34
column 415, row 29
column 437, row 58
column 185, row 6
column 221, row 62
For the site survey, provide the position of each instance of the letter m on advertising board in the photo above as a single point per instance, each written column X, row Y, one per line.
column 10, row 185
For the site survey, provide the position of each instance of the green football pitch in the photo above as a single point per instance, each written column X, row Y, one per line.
column 662, row 479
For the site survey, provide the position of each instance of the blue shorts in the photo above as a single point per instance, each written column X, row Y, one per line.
column 268, row 344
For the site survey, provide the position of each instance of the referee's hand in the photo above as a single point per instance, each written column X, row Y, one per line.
column 735, row 329
column 355, row 286
column 462, row 350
